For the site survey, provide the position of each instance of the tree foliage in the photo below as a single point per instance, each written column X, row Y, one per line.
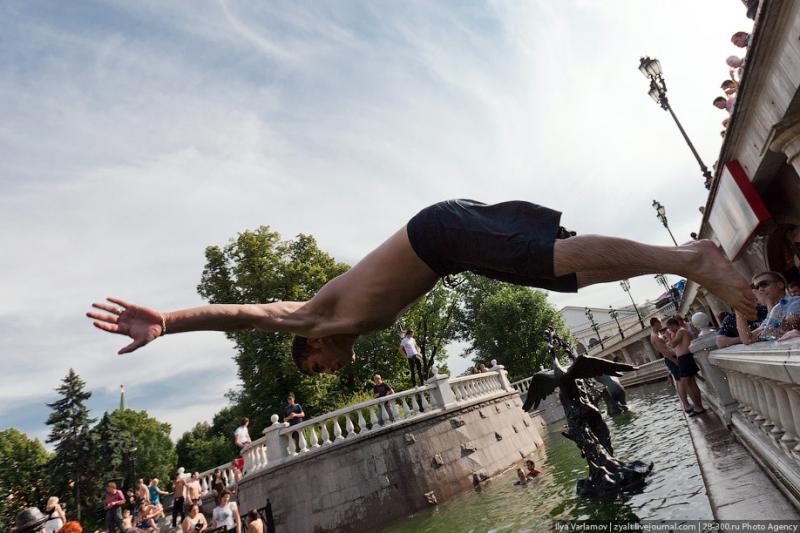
column 155, row 453
column 507, row 322
column 71, row 466
column 258, row 267
column 201, row 448
column 23, row 463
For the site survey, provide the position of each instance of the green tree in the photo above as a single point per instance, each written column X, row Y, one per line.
column 155, row 453
column 507, row 322
column 23, row 463
column 201, row 449
column 433, row 319
column 71, row 467
column 257, row 267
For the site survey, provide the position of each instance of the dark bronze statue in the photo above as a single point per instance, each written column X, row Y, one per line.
column 607, row 474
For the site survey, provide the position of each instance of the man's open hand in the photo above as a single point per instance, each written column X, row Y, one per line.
column 141, row 324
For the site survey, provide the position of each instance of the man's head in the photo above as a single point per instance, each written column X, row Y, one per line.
column 794, row 288
column 409, row 333
column 740, row 39
column 734, row 61
column 195, row 475
column 323, row 354
column 111, row 487
column 290, row 399
column 655, row 324
column 720, row 102
column 154, row 482
column 729, row 87
column 245, row 421
column 377, row 379
column 126, row 513
column 530, row 464
column 673, row 325
column 769, row 287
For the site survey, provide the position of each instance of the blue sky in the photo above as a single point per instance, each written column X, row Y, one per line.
column 135, row 134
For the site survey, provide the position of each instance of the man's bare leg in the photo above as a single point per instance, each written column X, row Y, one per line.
column 690, row 385
column 680, row 388
column 700, row 261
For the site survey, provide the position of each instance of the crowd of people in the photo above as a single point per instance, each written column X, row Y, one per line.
column 778, row 319
column 740, row 39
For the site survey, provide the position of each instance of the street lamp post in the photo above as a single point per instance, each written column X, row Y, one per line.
column 615, row 315
column 661, row 214
column 626, row 286
column 590, row 316
column 651, row 69
column 662, row 279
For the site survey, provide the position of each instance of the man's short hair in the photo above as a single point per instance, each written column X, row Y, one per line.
column 793, row 284
column 720, row 99
column 300, row 352
column 245, row 420
column 409, row 331
column 775, row 276
column 673, row 322
column 290, row 395
column 727, row 83
column 654, row 320
column 739, row 34
column 112, row 485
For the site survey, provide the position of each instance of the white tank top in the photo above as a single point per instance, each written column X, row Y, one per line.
column 53, row 525
column 224, row 516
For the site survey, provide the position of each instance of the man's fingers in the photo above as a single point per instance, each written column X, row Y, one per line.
column 105, row 326
column 105, row 318
column 117, row 301
column 110, row 308
column 132, row 346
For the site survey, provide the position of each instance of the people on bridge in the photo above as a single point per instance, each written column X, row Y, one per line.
column 155, row 492
column 293, row 412
column 770, row 290
column 226, row 514
column 254, row 522
column 241, row 438
column 193, row 489
column 179, row 501
column 515, row 241
column 195, row 521
column 670, row 361
column 127, row 520
column 728, row 334
column 113, row 500
column 679, row 339
column 218, row 485
column 57, row 516
column 408, row 348
column 380, row 390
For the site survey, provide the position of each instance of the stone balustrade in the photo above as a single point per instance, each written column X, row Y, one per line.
column 756, row 390
column 283, row 442
column 522, row 386
column 207, row 476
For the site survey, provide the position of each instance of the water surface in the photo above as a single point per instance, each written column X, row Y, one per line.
column 654, row 431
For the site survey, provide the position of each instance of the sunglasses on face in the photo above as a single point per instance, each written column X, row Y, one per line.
column 763, row 284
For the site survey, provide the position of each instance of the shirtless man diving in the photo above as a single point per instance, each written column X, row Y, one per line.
column 514, row 241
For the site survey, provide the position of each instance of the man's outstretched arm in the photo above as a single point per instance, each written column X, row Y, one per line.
column 144, row 324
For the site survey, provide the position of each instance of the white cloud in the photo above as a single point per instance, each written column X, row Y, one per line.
column 136, row 134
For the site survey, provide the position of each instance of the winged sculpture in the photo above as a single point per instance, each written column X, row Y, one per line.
column 607, row 475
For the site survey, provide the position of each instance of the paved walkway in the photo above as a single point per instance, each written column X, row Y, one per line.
column 737, row 487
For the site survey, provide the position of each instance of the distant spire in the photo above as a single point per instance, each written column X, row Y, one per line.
column 122, row 398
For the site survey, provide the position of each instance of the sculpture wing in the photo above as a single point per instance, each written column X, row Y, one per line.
column 589, row 367
column 542, row 385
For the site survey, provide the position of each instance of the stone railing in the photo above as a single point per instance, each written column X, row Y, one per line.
column 522, row 386
column 756, row 390
column 283, row 442
column 207, row 476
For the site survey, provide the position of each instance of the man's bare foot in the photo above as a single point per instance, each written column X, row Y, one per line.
column 713, row 271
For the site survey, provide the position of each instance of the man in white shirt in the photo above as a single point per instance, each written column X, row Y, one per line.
column 409, row 348
column 241, row 435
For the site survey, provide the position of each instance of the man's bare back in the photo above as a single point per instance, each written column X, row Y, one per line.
column 661, row 347
column 376, row 291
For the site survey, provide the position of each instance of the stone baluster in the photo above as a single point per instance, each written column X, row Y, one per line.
column 325, row 436
column 373, row 418
column 348, row 425
column 761, row 419
column 291, row 447
column 793, row 393
column 503, row 375
column 362, row 423
column 424, row 402
column 337, row 430
column 739, row 392
column 384, row 415
column 203, row 485
column 750, row 394
column 414, row 403
column 312, row 436
column 789, row 438
column 395, row 412
column 772, row 406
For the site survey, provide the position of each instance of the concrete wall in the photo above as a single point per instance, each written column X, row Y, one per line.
column 365, row 484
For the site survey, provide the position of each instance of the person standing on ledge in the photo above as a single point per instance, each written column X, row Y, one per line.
column 408, row 348
column 517, row 242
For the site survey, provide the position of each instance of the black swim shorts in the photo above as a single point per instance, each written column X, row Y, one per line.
column 673, row 368
column 509, row 241
column 687, row 365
